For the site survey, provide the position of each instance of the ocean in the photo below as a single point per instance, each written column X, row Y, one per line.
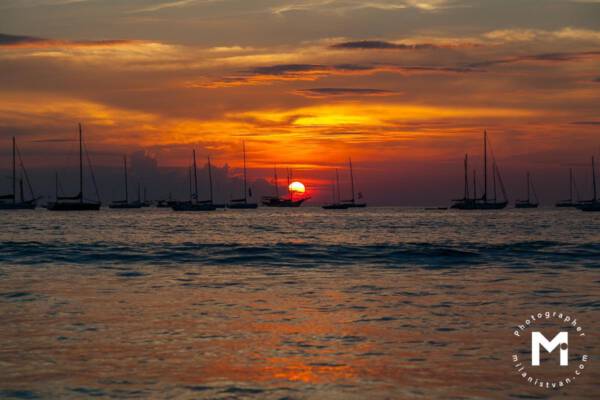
column 378, row 303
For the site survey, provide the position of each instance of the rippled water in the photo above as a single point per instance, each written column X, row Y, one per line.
column 305, row 303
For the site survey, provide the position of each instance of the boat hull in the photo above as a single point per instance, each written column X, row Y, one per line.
column 592, row 206
column 125, row 205
column 566, row 204
column 193, row 207
column 242, row 206
column 526, row 205
column 356, row 205
column 279, row 202
column 18, row 206
column 476, row 205
column 73, row 207
column 335, row 207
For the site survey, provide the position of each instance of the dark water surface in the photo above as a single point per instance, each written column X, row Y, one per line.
column 288, row 304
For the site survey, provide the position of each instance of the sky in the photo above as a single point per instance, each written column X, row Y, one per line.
column 404, row 87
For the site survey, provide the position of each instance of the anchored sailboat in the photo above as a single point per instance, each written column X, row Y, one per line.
column 569, row 202
column 352, row 202
column 528, row 203
column 242, row 203
column 336, row 204
column 484, row 202
column 125, row 203
column 594, row 203
column 12, row 203
column 77, row 202
column 277, row 201
column 194, row 204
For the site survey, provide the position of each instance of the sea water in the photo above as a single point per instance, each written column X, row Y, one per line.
column 301, row 303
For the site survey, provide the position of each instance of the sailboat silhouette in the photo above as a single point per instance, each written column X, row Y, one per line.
column 12, row 203
column 484, row 202
column 77, row 202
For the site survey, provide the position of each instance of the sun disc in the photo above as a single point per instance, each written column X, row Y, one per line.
column 297, row 187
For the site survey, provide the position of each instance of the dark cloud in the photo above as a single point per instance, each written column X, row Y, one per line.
column 544, row 57
column 381, row 45
column 283, row 69
column 585, row 122
column 303, row 72
column 596, row 79
column 7, row 40
column 336, row 92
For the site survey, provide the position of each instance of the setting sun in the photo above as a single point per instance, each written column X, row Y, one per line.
column 297, row 187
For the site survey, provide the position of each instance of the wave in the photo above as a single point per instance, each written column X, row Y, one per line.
column 521, row 254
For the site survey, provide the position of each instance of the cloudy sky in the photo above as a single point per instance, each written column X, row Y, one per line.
column 405, row 87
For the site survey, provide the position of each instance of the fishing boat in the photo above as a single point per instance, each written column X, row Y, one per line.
column 528, row 203
column 336, row 204
column 569, row 202
column 352, row 203
column 594, row 203
column 485, row 202
column 125, row 204
column 242, row 203
column 194, row 204
column 9, row 201
column 277, row 201
column 77, row 202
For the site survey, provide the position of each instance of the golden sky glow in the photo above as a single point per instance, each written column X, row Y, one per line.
column 380, row 82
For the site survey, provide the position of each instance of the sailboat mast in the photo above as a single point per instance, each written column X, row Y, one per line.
column 594, row 177
column 80, row 165
column 494, row 179
column 190, row 182
column 290, row 193
column 125, row 172
column 528, row 187
column 245, row 184
column 195, row 195
column 485, row 166
column 466, row 177
column 14, row 169
column 474, row 185
column 351, row 178
column 275, row 178
column 337, row 180
column 570, row 184
column 210, row 182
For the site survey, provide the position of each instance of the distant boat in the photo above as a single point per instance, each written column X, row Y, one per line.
column 12, row 203
column 242, row 203
column 569, row 202
column 352, row 202
column 125, row 204
column 194, row 204
column 77, row 202
column 166, row 203
column 277, row 201
column 594, row 203
column 336, row 204
column 145, row 202
column 528, row 203
column 484, row 202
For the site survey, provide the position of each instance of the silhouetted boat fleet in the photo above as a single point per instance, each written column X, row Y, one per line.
column 469, row 201
column 339, row 204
